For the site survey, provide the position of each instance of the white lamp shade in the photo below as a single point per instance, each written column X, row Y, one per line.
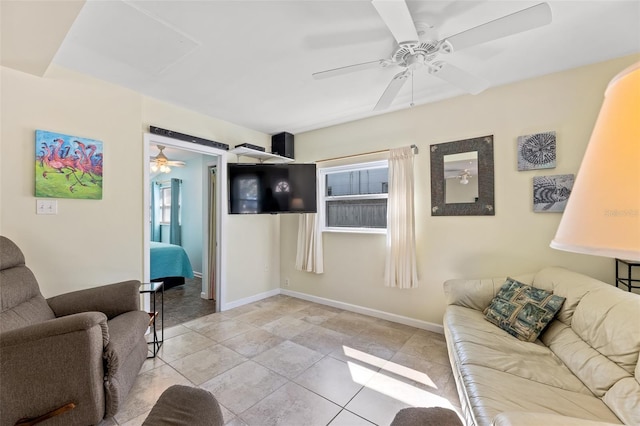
column 602, row 216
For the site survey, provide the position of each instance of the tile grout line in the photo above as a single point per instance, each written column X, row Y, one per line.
column 360, row 332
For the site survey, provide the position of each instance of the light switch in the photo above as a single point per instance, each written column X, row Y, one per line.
column 47, row 206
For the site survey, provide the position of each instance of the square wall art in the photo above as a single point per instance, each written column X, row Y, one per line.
column 537, row 151
column 68, row 166
column 550, row 193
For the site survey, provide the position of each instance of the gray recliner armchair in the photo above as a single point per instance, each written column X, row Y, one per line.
column 77, row 354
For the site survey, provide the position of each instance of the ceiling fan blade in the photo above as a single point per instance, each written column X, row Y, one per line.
column 349, row 68
column 392, row 90
column 176, row 163
column 458, row 77
column 526, row 19
column 396, row 16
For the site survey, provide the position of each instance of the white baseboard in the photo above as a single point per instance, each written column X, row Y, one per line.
column 197, row 274
column 436, row 328
column 424, row 325
column 246, row 300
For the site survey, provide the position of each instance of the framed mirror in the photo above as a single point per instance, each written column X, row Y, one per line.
column 462, row 181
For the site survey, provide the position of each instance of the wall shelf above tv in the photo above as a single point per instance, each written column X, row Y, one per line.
column 261, row 156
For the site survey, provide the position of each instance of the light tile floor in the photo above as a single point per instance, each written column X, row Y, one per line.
column 286, row 361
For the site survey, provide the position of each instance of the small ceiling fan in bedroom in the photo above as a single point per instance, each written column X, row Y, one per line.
column 160, row 163
column 412, row 53
column 464, row 177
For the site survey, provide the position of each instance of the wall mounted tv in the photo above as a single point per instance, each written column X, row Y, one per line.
column 272, row 188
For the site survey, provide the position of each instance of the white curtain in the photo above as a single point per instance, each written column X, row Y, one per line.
column 309, row 255
column 401, row 270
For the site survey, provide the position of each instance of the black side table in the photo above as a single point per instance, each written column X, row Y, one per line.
column 628, row 281
column 153, row 288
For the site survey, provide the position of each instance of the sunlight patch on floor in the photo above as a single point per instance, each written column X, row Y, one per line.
column 392, row 387
column 409, row 373
column 363, row 357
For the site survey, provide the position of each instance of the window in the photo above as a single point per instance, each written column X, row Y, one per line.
column 165, row 205
column 354, row 197
column 246, row 194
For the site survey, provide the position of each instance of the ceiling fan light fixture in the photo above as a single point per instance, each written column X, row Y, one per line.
column 445, row 47
column 160, row 163
column 464, row 177
column 418, row 46
column 416, row 61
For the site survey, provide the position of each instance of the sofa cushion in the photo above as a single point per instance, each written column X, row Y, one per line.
column 624, row 399
column 607, row 319
column 568, row 284
column 521, row 310
column 527, row 418
column 499, row 373
column 594, row 369
column 491, row 392
column 478, row 342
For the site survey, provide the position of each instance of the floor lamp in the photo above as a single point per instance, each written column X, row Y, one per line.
column 602, row 216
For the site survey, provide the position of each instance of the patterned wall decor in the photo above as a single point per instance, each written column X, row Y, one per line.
column 550, row 193
column 68, row 166
column 537, row 151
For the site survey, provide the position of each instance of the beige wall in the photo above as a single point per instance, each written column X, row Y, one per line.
column 93, row 242
column 88, row 242
column 514, row 241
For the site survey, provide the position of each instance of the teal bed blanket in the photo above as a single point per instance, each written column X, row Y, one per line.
column 169, row 260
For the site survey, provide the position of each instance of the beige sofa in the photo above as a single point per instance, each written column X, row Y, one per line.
column 583, row 369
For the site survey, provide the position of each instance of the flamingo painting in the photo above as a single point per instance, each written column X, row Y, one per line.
column 68, row 166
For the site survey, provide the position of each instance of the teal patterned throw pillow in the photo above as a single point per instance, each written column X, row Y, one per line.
column 521, row 310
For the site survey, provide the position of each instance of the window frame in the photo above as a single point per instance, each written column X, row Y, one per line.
column 323, row 199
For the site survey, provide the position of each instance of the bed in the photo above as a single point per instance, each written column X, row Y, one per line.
column 169, row 263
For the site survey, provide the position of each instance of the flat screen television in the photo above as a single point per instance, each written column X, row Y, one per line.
column 272, row 188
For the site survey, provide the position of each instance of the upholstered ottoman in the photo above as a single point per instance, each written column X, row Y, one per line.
column 426, row 416
column 185, row 406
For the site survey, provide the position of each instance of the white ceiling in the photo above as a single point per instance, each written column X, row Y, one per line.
column 250, row 62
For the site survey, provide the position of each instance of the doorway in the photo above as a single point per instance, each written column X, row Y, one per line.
column 213, row 231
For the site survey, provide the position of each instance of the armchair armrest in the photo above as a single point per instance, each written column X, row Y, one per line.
column 112, row 300
column 50, row 364
column 56, row 327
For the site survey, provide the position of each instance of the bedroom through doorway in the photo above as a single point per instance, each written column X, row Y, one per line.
column 196, row 290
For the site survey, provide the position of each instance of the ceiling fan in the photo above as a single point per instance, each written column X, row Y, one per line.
column 162, row 164
column 412, row 54
column 464, row 177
